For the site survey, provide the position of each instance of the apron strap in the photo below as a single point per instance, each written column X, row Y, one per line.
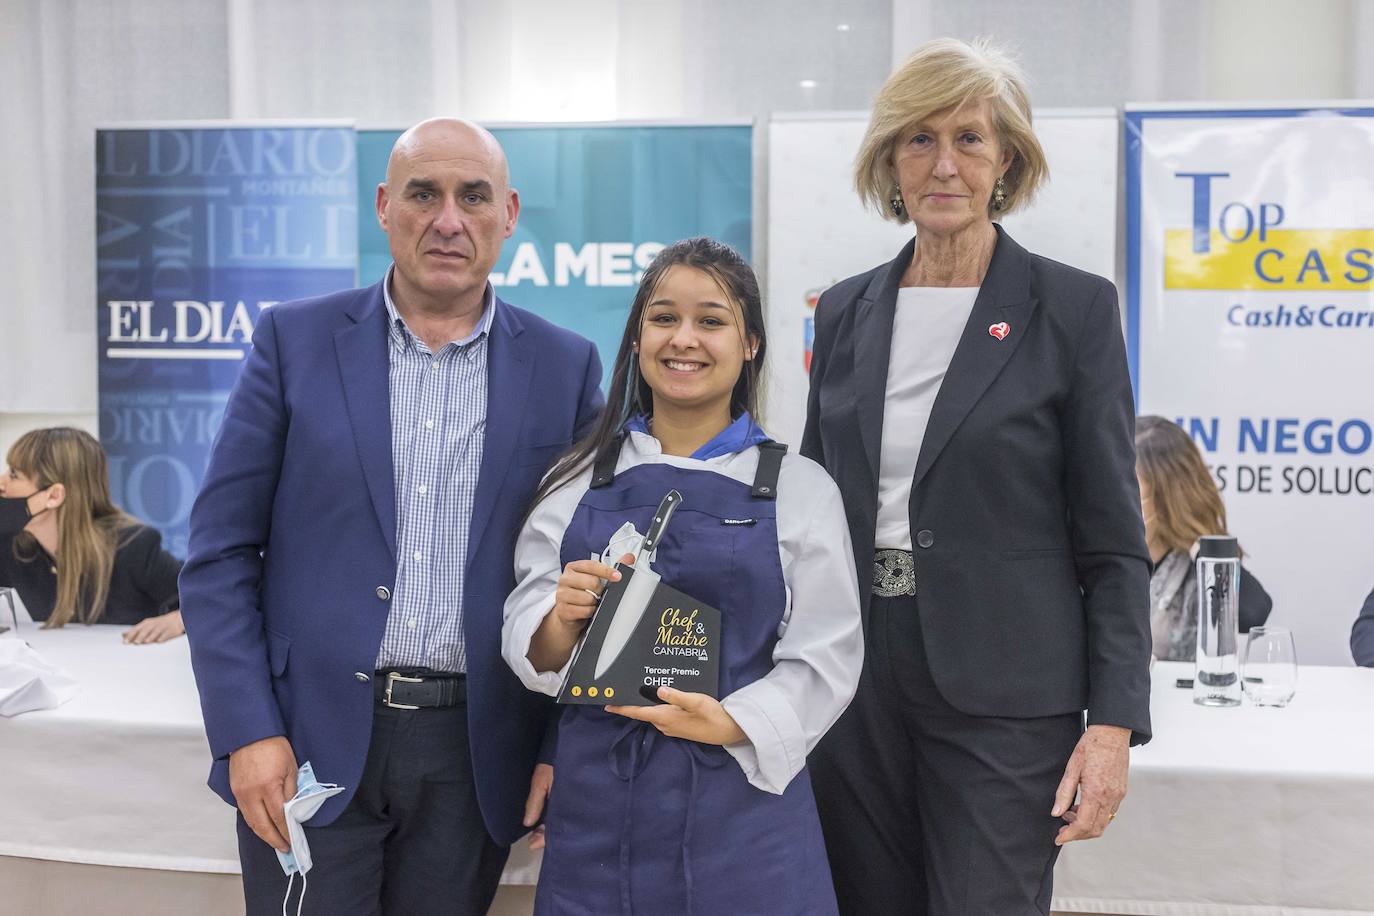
column 603, row 472
column 765, row 478
column 770, row 462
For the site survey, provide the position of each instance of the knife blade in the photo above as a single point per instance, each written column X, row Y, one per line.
column 639, row 590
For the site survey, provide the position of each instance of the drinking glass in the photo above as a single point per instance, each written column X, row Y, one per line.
column 8, row 622
column 1270, row 675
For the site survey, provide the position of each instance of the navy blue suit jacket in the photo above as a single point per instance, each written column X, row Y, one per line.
column 293, row 541
column 1362, row 635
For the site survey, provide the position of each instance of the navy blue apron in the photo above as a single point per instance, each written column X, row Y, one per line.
column 640, row 823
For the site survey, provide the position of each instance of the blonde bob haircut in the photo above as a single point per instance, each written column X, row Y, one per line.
column 940, row 76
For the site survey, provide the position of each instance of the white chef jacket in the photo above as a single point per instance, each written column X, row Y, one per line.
column 819, row 653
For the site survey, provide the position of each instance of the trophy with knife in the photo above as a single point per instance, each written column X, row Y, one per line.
column 645, row 634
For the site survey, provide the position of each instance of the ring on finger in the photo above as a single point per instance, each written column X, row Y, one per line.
column 595, row 595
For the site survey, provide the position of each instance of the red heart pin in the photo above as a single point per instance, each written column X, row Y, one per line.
column 999, row 330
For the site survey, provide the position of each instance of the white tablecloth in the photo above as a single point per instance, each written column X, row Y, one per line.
column 1241, row 811
column 116, row 776
column 1231, row 812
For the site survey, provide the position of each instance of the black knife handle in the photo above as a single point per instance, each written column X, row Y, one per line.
column 661, row 515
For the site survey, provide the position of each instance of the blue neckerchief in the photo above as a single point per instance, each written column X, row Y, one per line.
column 743, row 433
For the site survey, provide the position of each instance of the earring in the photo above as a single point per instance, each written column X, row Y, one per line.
column 999, row 195
column 896, row 203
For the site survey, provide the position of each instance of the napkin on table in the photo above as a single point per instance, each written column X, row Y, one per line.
column 28, row 681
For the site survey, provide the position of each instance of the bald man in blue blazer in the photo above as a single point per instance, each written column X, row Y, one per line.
column 351, row 549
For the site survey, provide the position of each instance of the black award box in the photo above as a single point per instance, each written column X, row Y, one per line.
column 665, row 639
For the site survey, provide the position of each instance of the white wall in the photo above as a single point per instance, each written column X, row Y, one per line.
column 66, row 66
column 1308, row 58
column 1081, row 53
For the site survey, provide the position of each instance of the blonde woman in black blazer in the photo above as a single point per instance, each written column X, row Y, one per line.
column 973, row 402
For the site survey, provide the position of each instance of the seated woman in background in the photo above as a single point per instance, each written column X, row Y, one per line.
column 70, row 553
column 1180, row 503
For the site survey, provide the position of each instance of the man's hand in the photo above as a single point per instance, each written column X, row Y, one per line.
column 1096, row 773
column 262, row 776
column 693, row 716
column 541, row 783
column 155, row 629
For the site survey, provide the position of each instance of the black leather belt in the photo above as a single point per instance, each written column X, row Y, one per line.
column 415, row 690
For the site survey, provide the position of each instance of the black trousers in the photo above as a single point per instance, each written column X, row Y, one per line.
column 411, row 840
column 930, row 811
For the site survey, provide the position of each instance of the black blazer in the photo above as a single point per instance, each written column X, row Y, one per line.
column 1032, row 575
column 143, row 581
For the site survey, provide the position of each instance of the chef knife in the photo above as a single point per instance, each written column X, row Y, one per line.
column 639, row 590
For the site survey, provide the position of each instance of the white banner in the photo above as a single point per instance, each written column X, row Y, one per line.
column 1251, row 266
column 819, row 234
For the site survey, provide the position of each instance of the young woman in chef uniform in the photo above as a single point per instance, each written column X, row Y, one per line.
column 695, row 805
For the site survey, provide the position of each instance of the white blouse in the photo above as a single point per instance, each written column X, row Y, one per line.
column 819, row 653
column 929, row 322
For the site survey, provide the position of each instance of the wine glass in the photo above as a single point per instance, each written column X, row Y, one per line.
column 1270, row 674
column 8, row 622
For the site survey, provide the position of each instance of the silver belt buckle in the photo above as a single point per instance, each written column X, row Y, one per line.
column 894, row 573
column 391, row 678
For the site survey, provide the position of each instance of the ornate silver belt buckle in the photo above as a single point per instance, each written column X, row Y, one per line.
column 894, row 573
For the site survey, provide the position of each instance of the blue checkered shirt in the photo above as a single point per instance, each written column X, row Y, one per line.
column 438, row 421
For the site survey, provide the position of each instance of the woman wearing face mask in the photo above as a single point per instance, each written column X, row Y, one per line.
column 1180, row 504
column 695, row 805
column 70, row 552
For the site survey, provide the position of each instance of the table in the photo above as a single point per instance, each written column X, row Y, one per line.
column 1231, row 812
column 1241, row 811
column 116, row 776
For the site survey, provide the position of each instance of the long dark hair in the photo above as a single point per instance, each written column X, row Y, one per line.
column 90, row 527
column 1186, row 501
column 629, row 394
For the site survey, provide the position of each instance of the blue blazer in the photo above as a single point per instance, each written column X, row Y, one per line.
column 292, row 553
column 1362, row 635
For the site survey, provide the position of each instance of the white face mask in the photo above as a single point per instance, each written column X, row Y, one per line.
column 310, row 795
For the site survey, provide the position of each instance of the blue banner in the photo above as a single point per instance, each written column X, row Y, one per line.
column 597, row 203
column 197, row 231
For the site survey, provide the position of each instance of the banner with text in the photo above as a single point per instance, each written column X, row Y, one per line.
column 1250, row 249
column 198, row 229
column 596, row 204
